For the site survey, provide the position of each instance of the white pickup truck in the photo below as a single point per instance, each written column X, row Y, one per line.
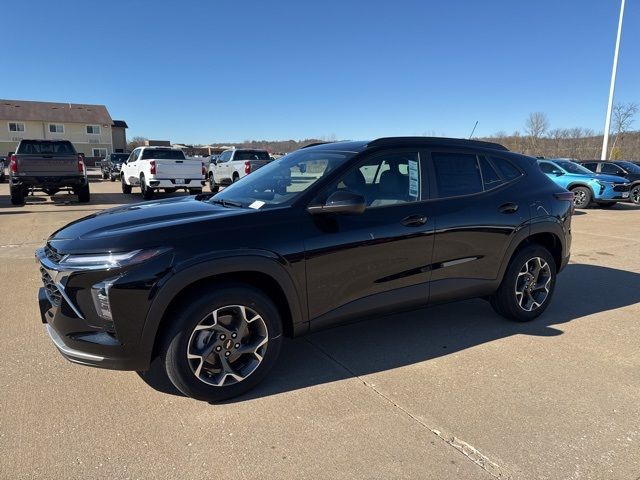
column 155, row 168
column 235, row 164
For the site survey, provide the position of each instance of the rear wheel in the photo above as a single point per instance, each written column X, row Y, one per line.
column 235, row 178
column 213, row 186
column 17, row 195
column 635, row 195
column 527, row 285
column 147, row 192
column 582, row 197
column 125, row 188
column 223, row 343
column 83, row 193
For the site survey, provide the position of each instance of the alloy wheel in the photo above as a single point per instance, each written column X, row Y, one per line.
column 579, row 198
column 635, row 194
column 533, row 284
column 227, row 345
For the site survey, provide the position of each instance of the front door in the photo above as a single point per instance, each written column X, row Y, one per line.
column 377, row 261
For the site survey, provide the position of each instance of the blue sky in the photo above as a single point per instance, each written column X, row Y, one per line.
column 222, row 70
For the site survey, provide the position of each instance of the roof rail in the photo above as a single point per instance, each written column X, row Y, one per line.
column 444, row 141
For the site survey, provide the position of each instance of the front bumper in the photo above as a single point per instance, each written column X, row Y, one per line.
column 608, row 192
column 81, row 336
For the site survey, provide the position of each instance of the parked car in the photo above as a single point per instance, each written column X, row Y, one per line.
column 111, row 165
column 154, row 168
column 49, row 166
column 235, row 164
column 2, row 167
column 203, row 289
column 619, row 168
column 588, row 187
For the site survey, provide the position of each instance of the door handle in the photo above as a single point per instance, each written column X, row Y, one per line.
column 508, row 208
column 414, row 220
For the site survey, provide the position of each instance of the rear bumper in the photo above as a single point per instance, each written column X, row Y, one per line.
column 176, row 182
column 49, row 181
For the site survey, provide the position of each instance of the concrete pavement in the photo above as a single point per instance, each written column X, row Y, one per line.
column 452, row 391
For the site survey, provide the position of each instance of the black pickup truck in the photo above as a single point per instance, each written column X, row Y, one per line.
column 48, row 166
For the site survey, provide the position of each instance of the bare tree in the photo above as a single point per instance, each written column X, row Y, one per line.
column 623, row 117
column 136, row 142
column 536, row 126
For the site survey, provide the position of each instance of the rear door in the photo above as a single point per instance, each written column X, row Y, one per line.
column 478, row 204
column 378, row 260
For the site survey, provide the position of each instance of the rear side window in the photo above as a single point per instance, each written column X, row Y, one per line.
column 507, row 169
column 456, row 174
column 31, row 147
column 490, row 177
column 591, row 166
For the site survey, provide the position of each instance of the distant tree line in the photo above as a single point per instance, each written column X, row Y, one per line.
column 538, row 139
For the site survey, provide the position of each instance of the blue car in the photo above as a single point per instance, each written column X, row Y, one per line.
column 588, row 187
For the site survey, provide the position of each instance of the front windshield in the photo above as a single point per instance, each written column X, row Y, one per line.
column 282, row 180
column 630, row 167
column 573, row 167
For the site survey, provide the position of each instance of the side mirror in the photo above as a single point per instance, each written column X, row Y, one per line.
column 341, row 202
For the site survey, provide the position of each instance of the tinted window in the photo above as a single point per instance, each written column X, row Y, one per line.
column 490, row 177
column 548, row 167
column 31, row 147
column 611, row 169
column 163, row 154
column 251, row 155
column 591, row 166
column 456, row 174
column 573, row 167
column 507, row 169
column 630, row 167
column 225, row 156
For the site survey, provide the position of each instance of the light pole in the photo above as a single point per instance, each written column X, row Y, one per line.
column 607, row 124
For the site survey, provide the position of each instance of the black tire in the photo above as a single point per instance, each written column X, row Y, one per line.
column 176, row 340
column 113, row 177
column 505, row 301
column 606, row 204
column 83, row 193
column 2, row 178
column 213, row 186
column 634, row 195
column 195, row 191
column 126, row 189
column 582, row 197
column 17, row 195
column 147, row 192
column 235, row 178
column 105, row 175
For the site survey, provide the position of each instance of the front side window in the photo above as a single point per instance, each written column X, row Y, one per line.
column 282, row 181
column 93, row 129
column 573, row 167
column 456, row 174
column 56, row 128
column 387, row 179
column 16, row 127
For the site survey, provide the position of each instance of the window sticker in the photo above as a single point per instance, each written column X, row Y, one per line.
column 256, row 205
column 413, row 179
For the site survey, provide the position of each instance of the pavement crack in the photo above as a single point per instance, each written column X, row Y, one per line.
column 466, row 449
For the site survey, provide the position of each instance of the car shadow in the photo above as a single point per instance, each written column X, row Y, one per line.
column 398, row 340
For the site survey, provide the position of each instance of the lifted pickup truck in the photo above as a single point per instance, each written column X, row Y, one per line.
column 154, row 168
column 235, row 164
column 48, row 166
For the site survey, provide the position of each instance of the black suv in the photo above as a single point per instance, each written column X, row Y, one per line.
column 620, row 168
column 111, row 166
column 207, row 286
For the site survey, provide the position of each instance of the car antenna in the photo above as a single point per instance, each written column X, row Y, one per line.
column 474, row 129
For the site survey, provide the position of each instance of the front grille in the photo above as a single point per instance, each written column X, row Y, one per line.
column 621, row 187
column 53, row 294
column 52, row 254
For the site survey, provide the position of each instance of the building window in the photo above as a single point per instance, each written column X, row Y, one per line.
column 100, row 152
column 93, row 129
column 56, row 128
column 16, row 127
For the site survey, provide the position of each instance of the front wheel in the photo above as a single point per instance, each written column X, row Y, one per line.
column 527, row 285
column 634, row 195
column 126, row 189
column 581, row 197
column 223, row 343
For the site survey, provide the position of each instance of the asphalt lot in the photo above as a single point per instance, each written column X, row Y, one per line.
column 448, row 392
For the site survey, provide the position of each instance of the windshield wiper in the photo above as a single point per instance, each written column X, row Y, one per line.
column 228, row 203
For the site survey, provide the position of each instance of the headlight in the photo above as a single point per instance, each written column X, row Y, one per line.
column 108, row 260
column 605, row 184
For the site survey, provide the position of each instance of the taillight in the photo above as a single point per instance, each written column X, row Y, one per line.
column 80, row 164
column 152, row 164
column 567, row 197
column 13, row 164
column 247, row 167
column 204, row 170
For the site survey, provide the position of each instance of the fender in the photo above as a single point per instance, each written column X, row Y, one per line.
column 547, row 224
column 224, row 262
column 580, row 184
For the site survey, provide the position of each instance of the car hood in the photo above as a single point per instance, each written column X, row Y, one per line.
column 610, row 178
column 143, row 224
